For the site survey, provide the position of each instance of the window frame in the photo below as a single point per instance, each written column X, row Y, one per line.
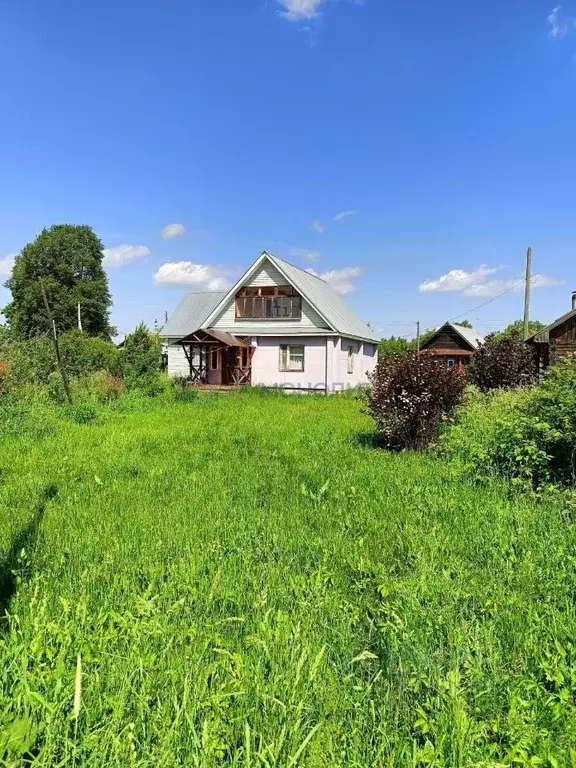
column 350, row 359
column 284, row 358
column 278, row 302
column 213, row 352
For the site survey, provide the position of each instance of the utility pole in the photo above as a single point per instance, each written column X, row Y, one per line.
column 56, row 347
column 165, row 317
column 418, row 335
column 527, row 293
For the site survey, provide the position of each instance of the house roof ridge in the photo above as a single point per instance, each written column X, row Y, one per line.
column 295, row 266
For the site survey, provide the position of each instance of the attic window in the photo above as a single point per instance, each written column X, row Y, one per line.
column 280, row 302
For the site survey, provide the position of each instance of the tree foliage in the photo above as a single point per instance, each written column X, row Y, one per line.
column 517, row 327
column 68, row 259
column 410, row 396
column 395, row 345
column 503, row 362
column 140, row 359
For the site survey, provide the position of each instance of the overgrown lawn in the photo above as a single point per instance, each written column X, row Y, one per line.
column 248, row 581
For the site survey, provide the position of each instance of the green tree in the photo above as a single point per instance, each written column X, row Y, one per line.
column 140, row 360
column 464, row 324
column 517, row 327
column 395, row 345
column 68, row 259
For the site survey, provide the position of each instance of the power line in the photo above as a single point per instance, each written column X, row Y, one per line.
column 484, row 304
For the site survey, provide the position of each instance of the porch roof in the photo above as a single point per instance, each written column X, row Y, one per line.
column 211, row 335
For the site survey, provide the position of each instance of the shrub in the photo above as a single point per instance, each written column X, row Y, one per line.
column 527, row 434
column 140, row 361
column 31, row 361
column 84, row 354
column 503, row 362
column 104, row 386
column 410, row 396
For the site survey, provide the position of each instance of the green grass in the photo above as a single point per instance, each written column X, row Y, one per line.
column 249, row 582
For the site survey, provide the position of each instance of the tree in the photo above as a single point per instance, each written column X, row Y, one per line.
column 68, row 259
column 410, row 396
column 140, row 360
column 395, row 345
column 464, row 324
column 517, row 327
column 502, row 362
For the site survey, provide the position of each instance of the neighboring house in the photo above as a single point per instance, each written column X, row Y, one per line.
column 453, row 344
column 278, row 326
column 557, row 340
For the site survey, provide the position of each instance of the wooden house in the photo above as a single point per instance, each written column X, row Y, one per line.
column 557, row 340
column 453, row 344
column 279, row 326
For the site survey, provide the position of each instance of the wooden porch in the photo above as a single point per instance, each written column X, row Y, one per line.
column 218, row 359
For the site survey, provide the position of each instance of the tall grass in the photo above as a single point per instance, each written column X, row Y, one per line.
column 244, row 581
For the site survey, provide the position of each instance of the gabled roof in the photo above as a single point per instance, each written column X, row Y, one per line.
column 543, row 336
column 469, row 335
column 190, row 315
column 324, row 299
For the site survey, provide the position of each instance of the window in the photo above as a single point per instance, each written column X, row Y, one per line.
column 214, row 360
column 350, row 359
column 244, row 357
column 451, row 362
column 291, row 357
column 280, row 302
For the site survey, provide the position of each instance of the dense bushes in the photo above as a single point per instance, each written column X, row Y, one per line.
column 140, row 360
column 526, row 434
column 411, row 394
column 89, row 361
column 503, row 361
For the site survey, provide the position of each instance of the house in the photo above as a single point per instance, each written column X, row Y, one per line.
column 279, row 326
column 557, row 340
column 453, row 344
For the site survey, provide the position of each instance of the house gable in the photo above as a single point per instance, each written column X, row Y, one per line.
column 264, row 273
column 450, row 339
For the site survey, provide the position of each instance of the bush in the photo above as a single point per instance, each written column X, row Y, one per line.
column 527, row 435
column 503, row 362
column 32, row 361
column 140, row 361
column 410, row 396
column 83, row 354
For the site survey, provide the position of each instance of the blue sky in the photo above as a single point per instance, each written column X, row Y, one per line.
column 445, row 131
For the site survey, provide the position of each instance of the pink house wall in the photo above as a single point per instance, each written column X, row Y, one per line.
column 265, row 362
column 325, row 362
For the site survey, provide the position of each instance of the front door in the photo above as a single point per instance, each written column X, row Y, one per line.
column 236, row 365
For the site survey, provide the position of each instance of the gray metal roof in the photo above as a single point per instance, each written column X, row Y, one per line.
column 191, row 313
column 326, row 301
column 196, row 308
column 468, row 334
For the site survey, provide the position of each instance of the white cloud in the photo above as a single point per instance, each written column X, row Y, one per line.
column 205, row 277
column 295, row 10
column 479, row 283
column 304, row 253
column 123, row 254
column 341, row 280
column 344, row 215
column 302, row 10
column 558, row 27
column 458, row 280
column 7, row 265
column 170, row 231
column 317, row 226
